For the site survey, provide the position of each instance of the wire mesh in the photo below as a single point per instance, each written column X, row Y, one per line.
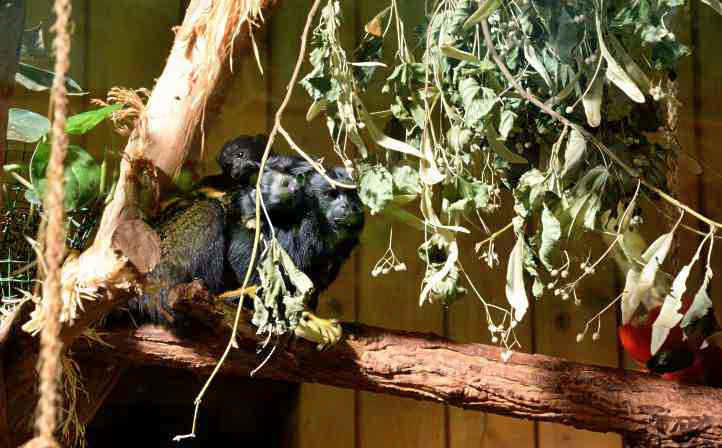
column 19, row 220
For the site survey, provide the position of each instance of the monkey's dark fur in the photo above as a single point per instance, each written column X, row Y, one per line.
column 317, row 224
column 319, row 240
column 239, row 160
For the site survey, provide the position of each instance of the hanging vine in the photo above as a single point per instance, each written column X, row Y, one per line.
column 564, row 106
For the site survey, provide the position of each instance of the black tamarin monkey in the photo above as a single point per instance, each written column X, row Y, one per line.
column 239, row 160
column 318, row 240
column 317, row 225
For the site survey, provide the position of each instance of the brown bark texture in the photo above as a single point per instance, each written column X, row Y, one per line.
column 191, row 78
column 649, row 411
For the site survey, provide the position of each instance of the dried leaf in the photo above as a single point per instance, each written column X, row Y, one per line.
column 615, row 72
column 452, row 256
column 635, row 291
column 515, row 289
column 592, row 102
column 669, row 315
column 428, row 171
column 496, row 145
column 701, row 303
column 574, row 154
column 631, row 67
column 316, row 108
column 461, row 55
column 384, row 140
column 486, row 8
column 26, row 126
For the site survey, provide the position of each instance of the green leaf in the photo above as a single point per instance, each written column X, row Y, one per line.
column 550, row 235
column 82, row 175
column 478, row 101
column 533, row 59
column 486, row 8
column 496, row 145
column 39, row 79
column 83, row 122
column 568, row 36
column 26, row 126
column 376, row 188
column 515, row 289
column 459, row 138
column 589, row 193
column 529, row 192
column 461, row 55
column 506, row 123
column 481, row 193
column 406, row 180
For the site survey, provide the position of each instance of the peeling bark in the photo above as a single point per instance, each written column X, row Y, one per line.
column 104, row 271
column 648, row 410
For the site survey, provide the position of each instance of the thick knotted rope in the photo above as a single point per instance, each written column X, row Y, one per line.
column 49, row 363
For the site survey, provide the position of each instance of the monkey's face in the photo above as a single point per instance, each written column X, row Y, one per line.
column 282, row 192
column 340, row 208
column 240, row 157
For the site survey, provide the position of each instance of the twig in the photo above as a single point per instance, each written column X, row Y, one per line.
column 257, row 236
column 588, row 135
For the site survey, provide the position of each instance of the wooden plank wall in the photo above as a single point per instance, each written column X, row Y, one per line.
column 108, row 51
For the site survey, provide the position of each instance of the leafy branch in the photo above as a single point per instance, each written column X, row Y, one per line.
column 462, row 132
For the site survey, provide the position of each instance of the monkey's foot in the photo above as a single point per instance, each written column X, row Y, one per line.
column 323, row 332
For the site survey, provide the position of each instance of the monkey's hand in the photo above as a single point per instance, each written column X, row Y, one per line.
column 323, row 332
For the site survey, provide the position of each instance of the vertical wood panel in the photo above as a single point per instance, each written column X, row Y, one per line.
column 324, row 416
column 128, row 44
column 391, row 300
column 244, row 110
column 709, row 127
column 558, row 322
column 467, row 323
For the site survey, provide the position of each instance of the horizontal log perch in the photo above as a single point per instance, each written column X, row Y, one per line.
column 649, row 411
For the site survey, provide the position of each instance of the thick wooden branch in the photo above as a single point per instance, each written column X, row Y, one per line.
column 648, row 410
column 195, row 73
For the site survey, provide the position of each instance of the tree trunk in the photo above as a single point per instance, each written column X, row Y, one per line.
column 648, row 410
column 194, row 75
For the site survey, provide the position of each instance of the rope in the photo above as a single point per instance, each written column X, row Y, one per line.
column 49, row 363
